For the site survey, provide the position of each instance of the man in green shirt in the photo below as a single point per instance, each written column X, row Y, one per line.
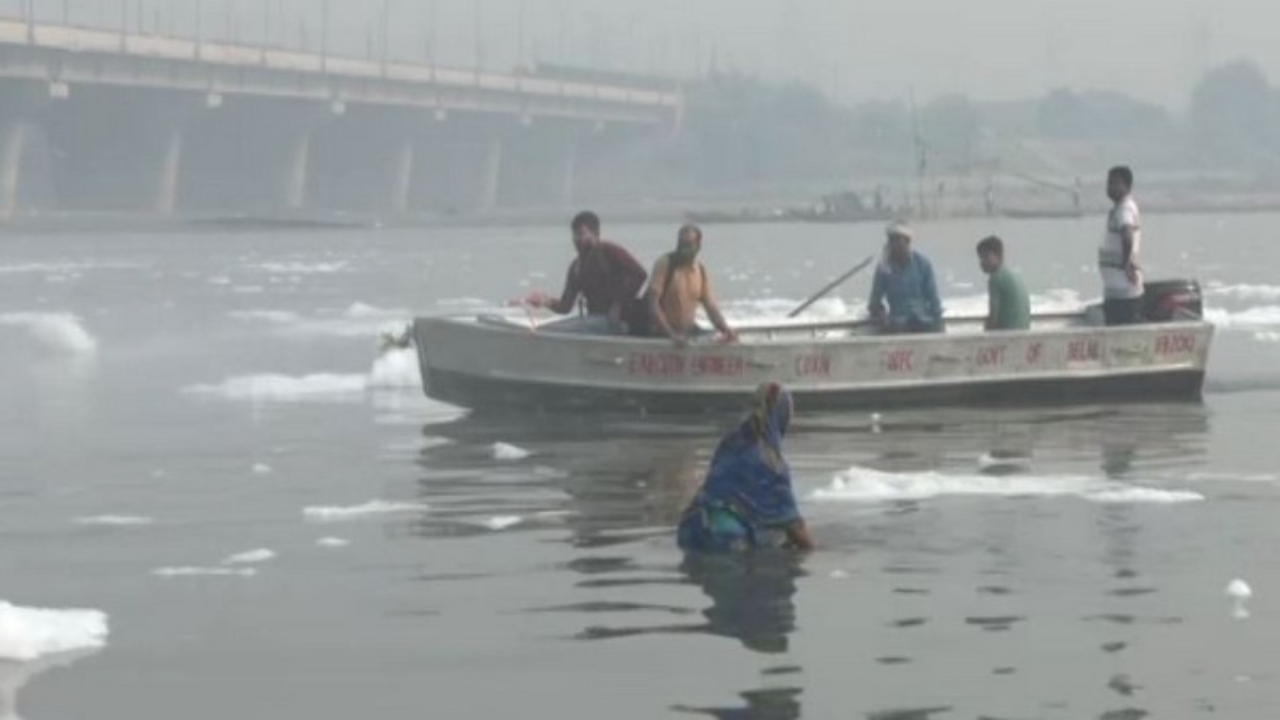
column 1009, row 307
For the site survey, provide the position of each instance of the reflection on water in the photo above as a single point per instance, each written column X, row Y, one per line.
column 751, row 597
column 15, row 675
column 752, row 600
column 608, row 491
column 770, row 704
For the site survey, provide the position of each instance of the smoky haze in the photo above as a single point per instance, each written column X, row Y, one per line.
column 992, row 49
column 931, row 107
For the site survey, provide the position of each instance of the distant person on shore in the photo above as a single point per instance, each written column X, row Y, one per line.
column 1008, row 305
column 678, row 286
column 1122, row 281
column 904, row 279
column 747, row 501
column 605, row 276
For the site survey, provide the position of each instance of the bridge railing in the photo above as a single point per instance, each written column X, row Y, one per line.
column 84, row 40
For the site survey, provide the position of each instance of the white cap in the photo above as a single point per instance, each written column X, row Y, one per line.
column 899, row 228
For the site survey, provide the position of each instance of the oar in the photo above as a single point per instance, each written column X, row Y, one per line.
column 831, row 286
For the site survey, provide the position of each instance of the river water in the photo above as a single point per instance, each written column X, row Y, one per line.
column 201, row 440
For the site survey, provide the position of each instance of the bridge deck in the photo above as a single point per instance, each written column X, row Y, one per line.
column 69, row 55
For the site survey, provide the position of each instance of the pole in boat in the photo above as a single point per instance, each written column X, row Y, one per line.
column 831, row 286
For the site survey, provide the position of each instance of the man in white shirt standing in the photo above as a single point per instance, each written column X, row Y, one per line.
column 1118, row 257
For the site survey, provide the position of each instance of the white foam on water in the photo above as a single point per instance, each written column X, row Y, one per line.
column 1233, row 477
column 60, row 332
column 1268, row 336
column 1124, row 495
column 463, row 302
column 391, row 373
column 285, row 388
column 280, row 317
column 554, row 514
column 1244, row 291
column 996, row 462
column 332, row 542
column 63, row 268
column 251, row 557
column 248, row 289
column 770, row 310
column 964, row 305
column 502, row 522
column 509, row 453
column 396, row 369
column 115, row 520
column 195, row 571
column 1240, row 593
column 1263, row 317
column 303, row 268
column 219, row 280
column 864, row 485
column 1057, row 300
column 774, row 310
column 358, row 320
column 28, row 634
column 261, row 469
column 338, row 513
column 359, row 310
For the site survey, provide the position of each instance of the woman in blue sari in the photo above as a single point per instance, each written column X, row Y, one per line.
column 747, row 501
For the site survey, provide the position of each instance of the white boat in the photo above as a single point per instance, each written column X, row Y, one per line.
column 498, row 362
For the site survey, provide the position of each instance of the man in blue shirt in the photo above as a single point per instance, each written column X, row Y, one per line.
column 904, row 278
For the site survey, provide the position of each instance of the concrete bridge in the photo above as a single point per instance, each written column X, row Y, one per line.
column 103, row 121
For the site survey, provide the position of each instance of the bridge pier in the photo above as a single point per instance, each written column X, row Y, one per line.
column 490, row 174
column 161, row 125
column 299, row 159
column 12, row 143
column 568, row 185
column 402, row 172
column 253, row 156
column 169, row 172
column 119, row 149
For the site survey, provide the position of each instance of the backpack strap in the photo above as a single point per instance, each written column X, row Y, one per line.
column 671, row 274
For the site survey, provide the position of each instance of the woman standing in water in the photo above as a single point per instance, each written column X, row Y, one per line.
column 747, row 501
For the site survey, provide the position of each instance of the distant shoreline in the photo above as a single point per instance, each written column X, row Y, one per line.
column 718, row 213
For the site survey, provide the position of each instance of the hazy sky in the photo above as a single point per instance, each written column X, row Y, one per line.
column 994, row 49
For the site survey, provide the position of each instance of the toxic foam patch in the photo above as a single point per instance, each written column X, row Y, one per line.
column 338, row 513
column 31, row 633
column 60, row 332
column 863, row 485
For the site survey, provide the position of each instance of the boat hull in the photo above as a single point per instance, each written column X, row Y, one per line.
column 499, row 367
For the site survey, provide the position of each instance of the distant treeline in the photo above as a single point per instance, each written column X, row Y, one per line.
column 743, row 133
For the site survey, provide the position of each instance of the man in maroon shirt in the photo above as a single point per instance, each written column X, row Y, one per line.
column 604, row 274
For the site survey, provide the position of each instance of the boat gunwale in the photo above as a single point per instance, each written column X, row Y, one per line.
column 796, row 334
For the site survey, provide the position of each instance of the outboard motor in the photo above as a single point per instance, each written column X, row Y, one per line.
column 1172, row 300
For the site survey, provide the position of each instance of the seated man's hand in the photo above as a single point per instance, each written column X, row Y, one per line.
column 615, row 319
column 537, row 299
column 680, row 340
column 728, row 337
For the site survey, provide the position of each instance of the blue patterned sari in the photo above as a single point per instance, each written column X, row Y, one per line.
column 746, row 500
